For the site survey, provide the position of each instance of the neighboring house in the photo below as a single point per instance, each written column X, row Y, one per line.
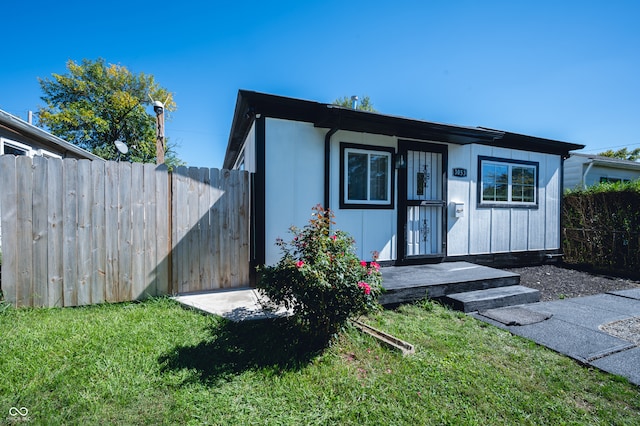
column 414, row 191
column 18, row 137
column 584, row 170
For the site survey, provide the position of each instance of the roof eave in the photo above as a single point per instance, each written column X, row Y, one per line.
column 43, row 136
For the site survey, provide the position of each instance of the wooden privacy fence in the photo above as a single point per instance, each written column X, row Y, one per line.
column 78, row 232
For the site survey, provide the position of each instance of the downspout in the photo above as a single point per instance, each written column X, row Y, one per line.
column 584, row 175
column 327, row 166
column 560, row 253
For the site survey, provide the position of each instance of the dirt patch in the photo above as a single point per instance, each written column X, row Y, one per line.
column 627, row 329
column 560, row 282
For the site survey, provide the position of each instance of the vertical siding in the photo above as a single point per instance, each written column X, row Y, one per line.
column 500, row 230
column 294, row 154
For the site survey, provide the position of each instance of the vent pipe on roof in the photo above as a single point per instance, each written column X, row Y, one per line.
column 30, row 117
column 354, row 102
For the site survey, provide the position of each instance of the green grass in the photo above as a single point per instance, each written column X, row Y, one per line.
column 156, row 363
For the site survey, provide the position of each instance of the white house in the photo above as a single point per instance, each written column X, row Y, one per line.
column 584, row 170
column 414, row 191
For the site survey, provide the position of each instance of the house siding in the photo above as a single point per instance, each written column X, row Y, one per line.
column 294, row 178
column 489, row 230
column 294, row 182
column 373, row 229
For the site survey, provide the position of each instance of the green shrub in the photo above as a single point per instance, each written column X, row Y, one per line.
column 320, row 278
column 602, row 228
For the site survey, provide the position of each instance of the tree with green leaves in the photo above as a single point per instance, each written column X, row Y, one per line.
column 623, row 154
column 95, row 104
column 364, row 103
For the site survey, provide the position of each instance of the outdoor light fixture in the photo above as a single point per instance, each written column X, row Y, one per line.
column 400, row 163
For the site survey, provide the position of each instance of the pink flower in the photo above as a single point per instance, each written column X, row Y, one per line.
column 363, row 263
column 365, row 287
column 375, row 265
column 334, row 237
column 299, row 264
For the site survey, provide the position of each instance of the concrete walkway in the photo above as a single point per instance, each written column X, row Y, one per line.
column 570, row 326
column 573, row 328
column 235, row 305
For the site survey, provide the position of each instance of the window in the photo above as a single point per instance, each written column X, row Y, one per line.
column 605, row 179
column 366, row 177
column 48, row 154
column 14, row 148
column 508, row 183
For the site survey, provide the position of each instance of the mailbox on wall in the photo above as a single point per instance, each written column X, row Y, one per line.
column 458, row 209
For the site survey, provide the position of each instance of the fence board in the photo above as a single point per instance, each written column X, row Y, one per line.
column 180, row 216
column 24, row 248
column 39, row 232
column 84, row 259
column 55, row 238
column 204, row 226
column 9, row 210
column 148, row 197
column 163, row 230
column 139, row 246
column 193, row 230
column 77, row 232
column 214, row 230
column 124, row 232
column 111, row 201
column 69, row 232
column 98, row 235
column 225, row 229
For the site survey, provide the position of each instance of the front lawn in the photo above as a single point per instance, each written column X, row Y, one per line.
column 157, row 363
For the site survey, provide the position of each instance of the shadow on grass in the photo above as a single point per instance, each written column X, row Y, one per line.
column 235, row 347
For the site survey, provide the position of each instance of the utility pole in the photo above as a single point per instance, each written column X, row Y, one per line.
column 158, row 107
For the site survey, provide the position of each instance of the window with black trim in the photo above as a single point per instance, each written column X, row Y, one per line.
column 366, row 176
column 507, row 183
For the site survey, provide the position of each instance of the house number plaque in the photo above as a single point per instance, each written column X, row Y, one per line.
column 460, row 172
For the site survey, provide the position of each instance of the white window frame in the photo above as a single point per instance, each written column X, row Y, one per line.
column 367, row 150
column 510, row 164
column 48, row 154
column 17, row 145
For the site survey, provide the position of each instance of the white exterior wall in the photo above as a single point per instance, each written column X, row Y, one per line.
column 601, row 171
column 248, row 151
column 574, row 167
column 373, row 229
column 294, row 181
column 500, row 230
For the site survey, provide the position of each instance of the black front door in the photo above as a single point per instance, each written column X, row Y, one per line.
column 421, row 199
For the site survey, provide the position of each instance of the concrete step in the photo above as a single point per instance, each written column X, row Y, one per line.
column 406, row 284
column 480, row 300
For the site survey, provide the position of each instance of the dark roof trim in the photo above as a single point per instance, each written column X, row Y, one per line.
column 249, row 104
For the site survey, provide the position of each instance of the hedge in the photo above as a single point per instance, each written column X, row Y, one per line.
column 601, row 228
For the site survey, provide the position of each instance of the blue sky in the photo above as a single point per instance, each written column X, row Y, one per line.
column 565, row 70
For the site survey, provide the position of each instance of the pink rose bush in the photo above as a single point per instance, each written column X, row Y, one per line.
column 320, row 278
